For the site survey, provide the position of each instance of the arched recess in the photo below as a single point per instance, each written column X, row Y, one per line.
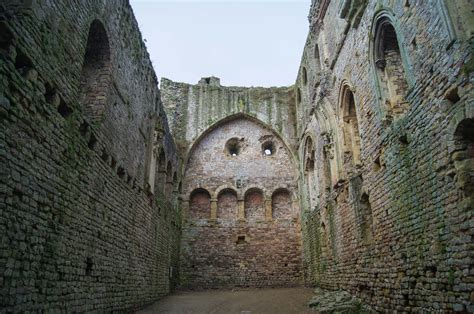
column 330, row 139
column 461, row 149
column 390, row 65
column 227, row 204
column 463, row 157
column 96, row 73
column 254, row 204
column 317, row 60
column 308, row 171
column 350, row 125
column 282, row 204
column 200, row 204
column 236, row 116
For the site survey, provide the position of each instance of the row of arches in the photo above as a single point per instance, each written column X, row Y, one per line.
column 253, row 205
column 390, row 65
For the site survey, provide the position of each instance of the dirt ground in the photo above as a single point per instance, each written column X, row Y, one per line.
column 248, row 301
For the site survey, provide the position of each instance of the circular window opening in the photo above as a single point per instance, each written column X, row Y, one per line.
column 233, row 147
column 268, row 149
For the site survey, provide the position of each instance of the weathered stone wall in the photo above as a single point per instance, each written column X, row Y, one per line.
column 80, row 231
column 242, row 225
column 395, row 228
column 192, row 109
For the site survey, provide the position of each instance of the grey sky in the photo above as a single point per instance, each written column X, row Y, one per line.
column 248, row 43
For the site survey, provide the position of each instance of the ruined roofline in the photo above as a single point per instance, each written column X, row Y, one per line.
column 202, row 81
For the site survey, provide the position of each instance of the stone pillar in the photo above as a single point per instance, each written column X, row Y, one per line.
column 268, row 210
column 241, row 209
column 213, row 209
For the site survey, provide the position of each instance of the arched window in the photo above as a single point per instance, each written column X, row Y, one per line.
column 200, row 204
column 227, row 204
column 389, row 66
column 317, row 60
column 304, row 76
column 96, row 70
column 281, row 204
column 253, row 204
column 298, row 96
column 309, row 171
column 463, row 156
column 350, row 125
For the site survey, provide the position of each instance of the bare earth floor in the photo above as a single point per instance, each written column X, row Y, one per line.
column 248, row 301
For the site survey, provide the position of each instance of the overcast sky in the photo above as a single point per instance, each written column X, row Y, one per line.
column 244, row 43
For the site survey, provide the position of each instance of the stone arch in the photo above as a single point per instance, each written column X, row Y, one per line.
column 317, row 59
column 282, row 204
column 254, row 203
column 96, row 72
column 330, row 139
column 298, row 96
column 304, row 75
column 461, row 149
column 227, row 204
column 390, row 65
column 233, row 117
column 200, row 204
column 350, row 124
column 308, row 170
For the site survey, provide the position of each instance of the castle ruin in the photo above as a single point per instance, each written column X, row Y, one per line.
column 360, row 177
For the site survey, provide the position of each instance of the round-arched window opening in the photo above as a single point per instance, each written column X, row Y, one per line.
column 298, row 96
column 232, row 147
column 268, row 149
column 304, row 76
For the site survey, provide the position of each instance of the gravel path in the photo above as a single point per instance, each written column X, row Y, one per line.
column 245, row 301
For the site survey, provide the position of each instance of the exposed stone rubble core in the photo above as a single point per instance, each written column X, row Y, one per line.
column 326, row 301
column 359, row 177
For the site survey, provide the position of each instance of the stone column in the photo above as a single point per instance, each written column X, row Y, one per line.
column 268, row 210
column 241, row 209
column 213, row 209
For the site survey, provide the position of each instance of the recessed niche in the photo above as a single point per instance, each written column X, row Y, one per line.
column 89, row 265
column 233, row 147
column 241, row 240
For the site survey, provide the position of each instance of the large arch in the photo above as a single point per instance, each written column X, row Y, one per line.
column 229, row 160
column 229, row 118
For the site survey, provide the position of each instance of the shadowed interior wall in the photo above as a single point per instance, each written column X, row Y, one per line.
column 239, row 242
column 79, row 233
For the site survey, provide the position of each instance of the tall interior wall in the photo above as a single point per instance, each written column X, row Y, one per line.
column 395, row 227
column 241, row 225
column 81, row 231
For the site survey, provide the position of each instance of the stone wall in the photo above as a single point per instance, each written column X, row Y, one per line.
column 81, row 229
column 192, row 109
column 242, row 225
column 394, row 227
